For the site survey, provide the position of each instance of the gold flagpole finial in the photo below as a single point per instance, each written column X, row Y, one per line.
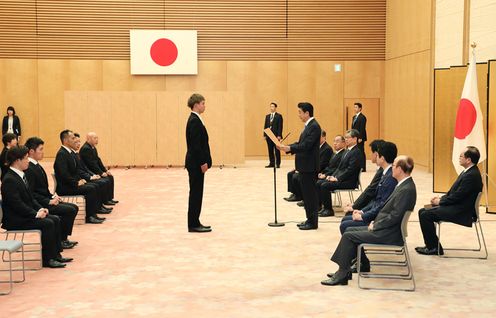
column 473, row 45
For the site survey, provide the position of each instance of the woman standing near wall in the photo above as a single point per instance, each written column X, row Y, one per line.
column 11, row 123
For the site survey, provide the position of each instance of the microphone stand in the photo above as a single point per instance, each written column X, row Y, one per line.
column 275, row 223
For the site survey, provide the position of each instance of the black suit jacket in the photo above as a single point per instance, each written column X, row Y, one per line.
column 387, row 224
column 325, row 155
column 460, row 199
column 90, row 157
column 19, row 206
column 369, row 193
column 276, row 125
column 198, row 152
column 307, row 148
column 334, row 163
column 350, row 166
column 360, row 124
column 3, row 162
column 16, row 125
column 66, row 171
column 38, row 184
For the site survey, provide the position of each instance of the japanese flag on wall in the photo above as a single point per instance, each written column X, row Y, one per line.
column 164, row 52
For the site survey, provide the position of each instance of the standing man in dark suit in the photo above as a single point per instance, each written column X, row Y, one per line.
column 359, row 122
column 345, row 177
column 274, row 122
column 307, row 163
column 22, row 212
column 89, row 155
column 370, row 192
column 456, row 206
column 69, row 182
column 38, row 185
column 9, row 140
column 325, row 155
column 386, row 229
column 198, row 161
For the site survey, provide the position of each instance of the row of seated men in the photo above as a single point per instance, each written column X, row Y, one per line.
column 375, row 217
column 28, row 204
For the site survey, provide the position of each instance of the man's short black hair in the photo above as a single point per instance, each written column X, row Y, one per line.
column 306, row 107
column 7, row 138
column 388, row 151
column 472, row 153
column 374, row 145
column 64, row 134
column 273, row 103
column 359, row 105
column 33, row 143
column 16, row 153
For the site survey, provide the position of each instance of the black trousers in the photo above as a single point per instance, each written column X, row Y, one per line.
column 196, row 180
column 105, row 190
column 310, row 196
column 272, row 149
column 67, row 213
column 361, row 146
column 110, row 180
column 325, row 187
column 50, row 235
column 294, row 183
column 91, row 195
column 428, row 218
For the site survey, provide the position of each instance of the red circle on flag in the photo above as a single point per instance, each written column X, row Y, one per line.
column 465, row 119
column 163, row 52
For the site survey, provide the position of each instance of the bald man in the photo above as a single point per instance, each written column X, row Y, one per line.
column 89, row 155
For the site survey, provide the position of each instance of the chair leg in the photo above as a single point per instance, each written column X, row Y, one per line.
column 477, row 226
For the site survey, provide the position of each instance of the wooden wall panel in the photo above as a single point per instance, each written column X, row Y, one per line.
column 482, row 28
column 491, row 136
column 52, row 80
column 407, row 114
column 228, row 30
column 171, row 127
column 98, row 120
column 75, row 103
column 363, row 79
column 122, row 134
column 144, row 128
column 449, row 33
column 408, row 27
column 448, row 90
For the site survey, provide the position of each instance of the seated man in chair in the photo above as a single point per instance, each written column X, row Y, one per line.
column 345, row 177
column 387, row 153
column 386, row 229
column 456, row 206
column 22, row 212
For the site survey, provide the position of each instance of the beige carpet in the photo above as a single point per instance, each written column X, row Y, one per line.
column 142, row 262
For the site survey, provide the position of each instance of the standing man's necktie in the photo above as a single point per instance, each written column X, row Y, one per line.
column 354, row 119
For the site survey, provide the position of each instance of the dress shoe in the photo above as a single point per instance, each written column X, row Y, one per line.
column 364, row 268
column 326, row 213
column 199, row 229
column 100, row 218
column 292, row 198
column 93, row 220
column 114, row 201
column 269, row 166
column 66, row 245
column 109, row 203
column 336, row 279
column 331, row 275
column 106, row 208
column 301, row 203
column 301, row 224
column 103, row 211
column 205, row 226
column 429, row 251
column 64, row 259
column 54, row 264
column 73, row 242
column 308, row 226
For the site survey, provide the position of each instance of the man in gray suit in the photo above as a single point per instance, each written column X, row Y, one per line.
column 386, row 229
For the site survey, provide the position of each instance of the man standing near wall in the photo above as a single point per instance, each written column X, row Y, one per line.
column 359, row 122
column 198, row 161
column 274, row 122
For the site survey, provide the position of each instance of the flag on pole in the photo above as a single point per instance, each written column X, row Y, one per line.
column 469, row 130
column 163, row 52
